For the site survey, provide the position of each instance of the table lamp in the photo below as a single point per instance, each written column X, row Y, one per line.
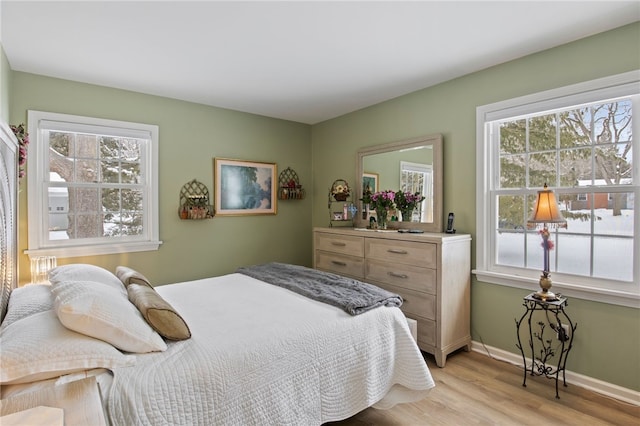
column 546, row 212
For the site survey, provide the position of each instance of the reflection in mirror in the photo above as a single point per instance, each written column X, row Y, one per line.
column 413, row 166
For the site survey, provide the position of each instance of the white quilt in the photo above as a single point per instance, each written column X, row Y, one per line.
column 262, row 355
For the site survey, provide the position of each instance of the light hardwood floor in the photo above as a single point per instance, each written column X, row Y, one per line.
column 474, row 389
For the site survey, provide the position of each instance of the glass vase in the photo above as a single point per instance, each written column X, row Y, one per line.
column 407, row 215
column 382, row 213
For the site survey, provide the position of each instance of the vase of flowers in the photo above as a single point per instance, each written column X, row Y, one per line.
column 340, row 190
column 406, row 202
column 382, row 201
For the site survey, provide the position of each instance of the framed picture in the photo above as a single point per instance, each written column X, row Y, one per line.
column 244, row 187
column 370, row 180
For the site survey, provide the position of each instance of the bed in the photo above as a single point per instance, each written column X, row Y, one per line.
column 233, row 349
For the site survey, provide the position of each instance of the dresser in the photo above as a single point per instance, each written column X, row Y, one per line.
column 431, row 271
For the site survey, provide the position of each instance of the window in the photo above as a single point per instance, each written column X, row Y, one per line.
column 579, row 141
column 418, row 177
column 92, row 186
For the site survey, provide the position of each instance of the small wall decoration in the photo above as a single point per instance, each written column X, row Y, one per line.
column 289, row 185
column 194, row 201
column 370, row 182
column 244, row 187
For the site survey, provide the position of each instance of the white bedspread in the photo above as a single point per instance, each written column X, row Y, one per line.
column 262, row 355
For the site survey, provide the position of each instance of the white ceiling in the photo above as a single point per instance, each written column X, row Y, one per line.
column 297, row 60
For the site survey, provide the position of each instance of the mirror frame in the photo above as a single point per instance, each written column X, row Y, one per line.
column 434, row 141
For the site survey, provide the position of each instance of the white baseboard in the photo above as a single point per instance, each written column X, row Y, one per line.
column 608, row 389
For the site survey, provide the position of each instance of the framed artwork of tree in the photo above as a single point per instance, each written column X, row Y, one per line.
column 244, row 187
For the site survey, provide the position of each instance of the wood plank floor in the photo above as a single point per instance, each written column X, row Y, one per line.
column 474, row 389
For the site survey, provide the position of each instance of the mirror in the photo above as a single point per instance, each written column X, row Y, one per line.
column 416, row 164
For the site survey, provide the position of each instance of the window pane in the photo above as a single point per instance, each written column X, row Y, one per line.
column 542, row 133
column 613, row 258
column 575, row 167
column 131, row 150
column 513, row 137
column 542, row 169
column 575, row 130
column 130, row 173
column 510, row 248
column 86, row 146
column 512, row 171
column 614, row 214
column 109, row 147
column 110, row 171
column 511, row 213
column 62, row 143
column 576, row 209
column 87, row 171
column 573, row 253
column 624, row 171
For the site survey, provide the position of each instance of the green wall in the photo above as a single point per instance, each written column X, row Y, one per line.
column 607, row 343
column 191, row 135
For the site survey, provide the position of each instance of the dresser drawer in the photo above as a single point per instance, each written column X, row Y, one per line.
column 415, row 304
column 401, row 275
column 345, row 244
column 405, row 252
column 340, row 264
column 427, row 332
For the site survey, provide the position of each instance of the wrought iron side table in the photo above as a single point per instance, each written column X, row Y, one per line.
column 554, row 311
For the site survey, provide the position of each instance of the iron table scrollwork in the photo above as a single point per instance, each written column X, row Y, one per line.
column 555, row 318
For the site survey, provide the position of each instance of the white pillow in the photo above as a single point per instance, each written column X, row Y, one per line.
column 28, row 300
column 85, row 272
column 38, row 347
column 104, row 313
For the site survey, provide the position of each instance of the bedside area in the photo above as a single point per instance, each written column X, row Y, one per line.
column 431, row 271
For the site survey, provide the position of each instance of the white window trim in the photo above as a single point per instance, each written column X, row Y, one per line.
column 591, row 91
column 35, row 174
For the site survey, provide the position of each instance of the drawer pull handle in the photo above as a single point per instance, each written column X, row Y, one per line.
column 398, row 275
column 339, row 244
column 337, row 262
column 397, row 251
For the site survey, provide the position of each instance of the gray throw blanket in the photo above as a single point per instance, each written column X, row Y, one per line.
column 353, row 296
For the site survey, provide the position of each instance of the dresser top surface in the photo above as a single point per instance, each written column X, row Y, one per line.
column 395, row 235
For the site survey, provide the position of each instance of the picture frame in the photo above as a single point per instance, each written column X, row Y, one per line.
column 371, row 180
column 244, row 187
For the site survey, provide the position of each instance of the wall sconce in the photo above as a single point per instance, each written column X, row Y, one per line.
column 546, row 212
column 40, row 267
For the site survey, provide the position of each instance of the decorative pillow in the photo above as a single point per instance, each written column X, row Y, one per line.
column 131, row 276
column 85, row 272
column 158, row 312
column 28, row 300
column 39, row 347
column 103, row 312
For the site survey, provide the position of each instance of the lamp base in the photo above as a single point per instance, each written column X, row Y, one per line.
column 545, row 285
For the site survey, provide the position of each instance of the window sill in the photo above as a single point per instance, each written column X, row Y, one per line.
column 621, row 298
column 95, row 250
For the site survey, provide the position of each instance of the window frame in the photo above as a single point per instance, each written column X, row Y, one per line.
column 487, row 168
column 39, row 242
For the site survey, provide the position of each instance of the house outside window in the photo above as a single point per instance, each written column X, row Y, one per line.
column 92, row 186
column 579, row 140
